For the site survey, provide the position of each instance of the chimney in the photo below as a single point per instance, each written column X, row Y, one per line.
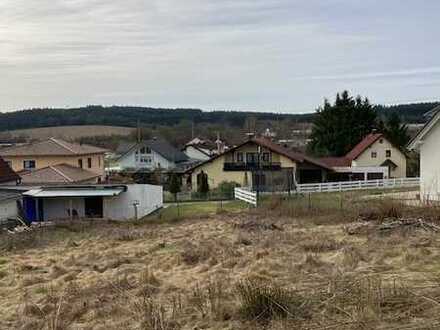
column 220, row 145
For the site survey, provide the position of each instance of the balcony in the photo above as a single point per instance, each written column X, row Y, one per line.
column 264, row 166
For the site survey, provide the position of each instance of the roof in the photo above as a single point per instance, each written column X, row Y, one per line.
column 363, row 145
column 336, row 161
column 162, row 147
column 79, row 191
column 266, row 143
column 57, row 174
column 389, row 163
column 6, row 173
column 51, row 147
column 418, row 139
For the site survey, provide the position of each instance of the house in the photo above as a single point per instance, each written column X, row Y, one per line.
column 427, row 142
column 117, row 202
column 375, row 157
column 52, row 152
column 261, row 164
column 7, row 175
column 203, row 149
column 148, row 155
column 59, row 174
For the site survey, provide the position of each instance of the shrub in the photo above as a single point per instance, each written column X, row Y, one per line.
column 226, row 188
column 263, row 302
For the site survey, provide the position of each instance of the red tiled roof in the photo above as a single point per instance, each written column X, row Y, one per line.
column 336, row 161
column 363, row 145
column 6, row 173
column 58, row 174
column 51, row 147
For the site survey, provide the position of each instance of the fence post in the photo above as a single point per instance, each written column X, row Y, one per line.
column 310, row 201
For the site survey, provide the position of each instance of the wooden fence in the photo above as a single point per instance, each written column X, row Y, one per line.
column 246, row 196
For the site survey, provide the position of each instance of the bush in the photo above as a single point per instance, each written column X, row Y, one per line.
column 226, row 188
column 264, row 302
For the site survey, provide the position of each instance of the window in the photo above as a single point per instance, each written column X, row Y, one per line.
column 266, row 157
column 251, row 157
column 145, row 150
column 89, row 162
column 240, row 158
column 381, row 141
column 80, row 163
column 29, row 164
column 373, row 154
column 9, row 163
column 99, row 161
column 388, row 153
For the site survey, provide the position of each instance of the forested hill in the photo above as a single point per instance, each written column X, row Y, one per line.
column 128, row 116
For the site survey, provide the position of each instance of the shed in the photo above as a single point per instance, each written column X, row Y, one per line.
column 118, row 202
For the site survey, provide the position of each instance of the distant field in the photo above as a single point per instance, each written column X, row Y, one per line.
column 69, row 132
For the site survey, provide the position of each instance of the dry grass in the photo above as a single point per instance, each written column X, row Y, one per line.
column 225, row 272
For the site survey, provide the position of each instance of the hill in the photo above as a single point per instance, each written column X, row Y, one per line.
column 69, row 133
column 129, row 116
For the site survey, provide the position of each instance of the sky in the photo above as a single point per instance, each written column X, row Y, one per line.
column 254, row 55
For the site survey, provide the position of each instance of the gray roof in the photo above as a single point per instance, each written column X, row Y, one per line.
column 162, row 147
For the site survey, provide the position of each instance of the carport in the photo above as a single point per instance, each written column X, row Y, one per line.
column 50, row 203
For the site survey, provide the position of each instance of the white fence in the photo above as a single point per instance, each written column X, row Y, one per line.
column 358, row 185
column 246, row 196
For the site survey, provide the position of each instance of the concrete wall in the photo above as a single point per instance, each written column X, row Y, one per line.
column 430, row 165
column 397, row 157
column 129, row 161
column 8, row 209
column 45, row 161
column 121, row 207
column 56, row 208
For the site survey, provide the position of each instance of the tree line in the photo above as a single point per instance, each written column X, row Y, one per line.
column 155, row 117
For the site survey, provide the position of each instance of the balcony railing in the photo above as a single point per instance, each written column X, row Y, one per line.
column 264, row 166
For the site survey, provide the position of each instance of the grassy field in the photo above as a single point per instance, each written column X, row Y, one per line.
column 285, row 265
column 69, row 132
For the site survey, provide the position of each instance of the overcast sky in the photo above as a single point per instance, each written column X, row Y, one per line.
column 264, row 55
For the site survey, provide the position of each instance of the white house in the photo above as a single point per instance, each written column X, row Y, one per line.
column 202, row 149
column 427, row 142
column 375, row 157
column 150, row 155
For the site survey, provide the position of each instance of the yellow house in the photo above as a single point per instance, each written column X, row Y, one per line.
column 53, row 152
column 259, row 163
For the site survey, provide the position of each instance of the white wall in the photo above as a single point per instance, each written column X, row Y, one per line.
column 397, row 157
column 121, row 207
column 129, row 161
column 430, row 165
column 56, row 208
column 8, row 209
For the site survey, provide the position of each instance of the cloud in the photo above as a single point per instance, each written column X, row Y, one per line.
column 258, row 54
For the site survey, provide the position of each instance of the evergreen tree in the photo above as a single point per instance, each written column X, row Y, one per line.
column 203, row 188
column 396, row 131
column 340, row 126
column 174, row 185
